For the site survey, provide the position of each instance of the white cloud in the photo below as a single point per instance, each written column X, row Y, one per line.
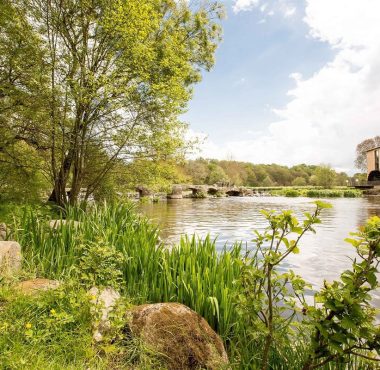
column 284, row 8
column 289, row 11
column 244, row 5
column 336, row 108
column 263, row 7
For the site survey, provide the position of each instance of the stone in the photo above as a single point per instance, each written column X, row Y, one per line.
column 3, row 232
column 143, row 191
column 176, row 192
column 34, row 286
column 182, row 338
column 103, row 302
column 56, row 224
column 10, row 257
column 174, row 196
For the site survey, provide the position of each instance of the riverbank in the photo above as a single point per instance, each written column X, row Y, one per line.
column 113, row 245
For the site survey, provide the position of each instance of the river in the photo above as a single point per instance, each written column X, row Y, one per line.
column 323, row 255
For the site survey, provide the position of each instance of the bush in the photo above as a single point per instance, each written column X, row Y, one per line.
column 351, row 194
column 292, row 193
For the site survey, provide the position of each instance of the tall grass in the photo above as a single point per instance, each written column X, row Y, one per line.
column 193, row 272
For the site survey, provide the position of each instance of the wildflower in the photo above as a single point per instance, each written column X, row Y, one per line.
column 28, row 325
column 53, row 312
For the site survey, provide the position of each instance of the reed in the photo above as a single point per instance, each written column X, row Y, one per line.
column 193, row 272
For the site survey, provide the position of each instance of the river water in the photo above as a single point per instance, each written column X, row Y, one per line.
column 323, row 255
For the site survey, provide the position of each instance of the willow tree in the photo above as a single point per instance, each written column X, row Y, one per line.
column 118, row 74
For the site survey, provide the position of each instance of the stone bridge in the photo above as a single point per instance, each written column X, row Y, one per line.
column 180, row 191
column 201, row 191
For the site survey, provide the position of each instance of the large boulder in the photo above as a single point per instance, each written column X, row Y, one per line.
column 181, row 337
column 103, row 302
column 10, row 257
column 34, row 286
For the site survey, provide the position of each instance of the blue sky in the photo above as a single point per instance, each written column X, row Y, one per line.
column 271, row 80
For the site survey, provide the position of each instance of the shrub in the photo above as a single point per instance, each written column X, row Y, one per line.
column 351, row 194
column 291, row 193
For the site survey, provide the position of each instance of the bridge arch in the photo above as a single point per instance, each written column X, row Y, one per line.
column 374, row 176
column 234, row 193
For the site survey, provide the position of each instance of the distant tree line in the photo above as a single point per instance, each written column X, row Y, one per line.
column 212, row 171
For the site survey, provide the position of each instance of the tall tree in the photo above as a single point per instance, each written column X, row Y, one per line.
column 118, row 75
column 325, row 176
column 361, row 151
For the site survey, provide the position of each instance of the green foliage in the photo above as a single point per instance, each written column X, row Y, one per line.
column 325, row 176
column 87, row 85
column 316, row 192
column 268, row 301
column 343, row 319
column 299, row 181
column 292, row 193
column 35, row 331
column 194, row 273
column 256, row 306
column 350, row 193
column 100, row 265
column 257, row 175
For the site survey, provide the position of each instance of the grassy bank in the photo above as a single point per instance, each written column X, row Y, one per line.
column 316, row 192
column 192, row 273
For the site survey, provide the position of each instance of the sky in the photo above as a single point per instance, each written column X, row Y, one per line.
column 295, row 81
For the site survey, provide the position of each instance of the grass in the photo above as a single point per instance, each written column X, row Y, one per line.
column 193, row 273
column 316, row 192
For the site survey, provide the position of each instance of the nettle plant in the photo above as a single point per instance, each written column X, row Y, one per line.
column 342, row 318
column 100, row 265
column 269, row 297
column 272, row 302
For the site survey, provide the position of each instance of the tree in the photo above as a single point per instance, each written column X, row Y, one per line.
column 117, row 75
column 23, row 175
column 197, row 171
column 325, row 176
column 361, row 151
column 267, row 182
column 216, row 174
column 299, row 181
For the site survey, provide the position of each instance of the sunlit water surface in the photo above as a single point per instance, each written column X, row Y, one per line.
column 323, row 255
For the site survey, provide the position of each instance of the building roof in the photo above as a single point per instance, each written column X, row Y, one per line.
column 374, row 148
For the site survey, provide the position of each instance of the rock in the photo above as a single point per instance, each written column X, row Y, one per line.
column 10, row 256
column 3, row 232
column 143, row 191
column 34, row 286
column 182, row 337
column 103, row 302
column 176, row 192
column 56, row 224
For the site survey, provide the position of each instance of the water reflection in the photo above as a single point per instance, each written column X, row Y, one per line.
column 323, row 256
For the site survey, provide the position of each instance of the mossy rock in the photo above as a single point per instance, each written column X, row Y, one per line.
column 181, row 338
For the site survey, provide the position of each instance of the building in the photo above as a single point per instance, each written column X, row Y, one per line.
column 373, row 166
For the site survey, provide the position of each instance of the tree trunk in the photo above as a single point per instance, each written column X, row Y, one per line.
column 58, row 195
